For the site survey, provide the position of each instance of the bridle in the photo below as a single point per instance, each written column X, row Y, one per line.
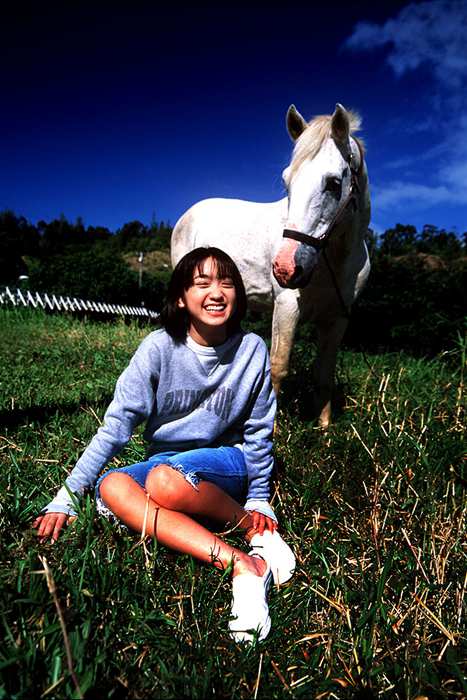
column 320, row 243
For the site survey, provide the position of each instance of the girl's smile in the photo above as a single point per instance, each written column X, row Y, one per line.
column 210, row 303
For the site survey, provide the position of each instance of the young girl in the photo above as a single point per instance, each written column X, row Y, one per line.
column 203, row 388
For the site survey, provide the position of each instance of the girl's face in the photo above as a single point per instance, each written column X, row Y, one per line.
column 210, row 303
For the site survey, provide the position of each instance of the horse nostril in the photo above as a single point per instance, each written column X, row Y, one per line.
column 298, row 272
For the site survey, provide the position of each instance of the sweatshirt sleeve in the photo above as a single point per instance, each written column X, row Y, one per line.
column 132, row 403
column 258, row 431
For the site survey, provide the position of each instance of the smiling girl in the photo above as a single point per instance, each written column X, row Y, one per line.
column 203, row 388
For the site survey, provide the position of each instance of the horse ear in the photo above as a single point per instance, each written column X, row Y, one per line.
column 340, row 124
column 295, row 123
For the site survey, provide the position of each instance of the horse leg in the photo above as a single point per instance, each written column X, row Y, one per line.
column 284, row 322
column 329, row 338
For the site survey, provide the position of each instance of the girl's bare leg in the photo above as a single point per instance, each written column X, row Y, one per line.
column 137, row 509
column 170, row 489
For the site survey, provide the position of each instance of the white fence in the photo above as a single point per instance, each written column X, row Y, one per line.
column 16, row 297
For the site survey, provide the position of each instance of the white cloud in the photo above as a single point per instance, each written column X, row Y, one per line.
column 418, row 196
column 455, row 174
column 430, row 33
column 449, row 175
column 451, row 147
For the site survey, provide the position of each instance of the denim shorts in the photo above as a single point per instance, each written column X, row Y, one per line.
column 223, row 466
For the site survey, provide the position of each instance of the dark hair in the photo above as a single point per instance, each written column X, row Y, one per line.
column 176, row 320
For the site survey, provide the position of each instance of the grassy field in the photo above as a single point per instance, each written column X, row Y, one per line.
column 374, row 509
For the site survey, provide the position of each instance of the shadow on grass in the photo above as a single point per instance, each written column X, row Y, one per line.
column 327, row 457
column 41, row 414
column 297, row 398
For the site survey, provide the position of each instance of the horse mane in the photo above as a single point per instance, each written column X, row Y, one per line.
column 311, row 139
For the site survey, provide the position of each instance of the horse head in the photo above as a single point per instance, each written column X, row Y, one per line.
column 322, row 183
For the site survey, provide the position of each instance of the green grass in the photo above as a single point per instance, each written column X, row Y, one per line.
column 374, row 509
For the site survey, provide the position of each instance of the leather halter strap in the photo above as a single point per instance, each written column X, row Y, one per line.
column 303, row 238
column 320, row 243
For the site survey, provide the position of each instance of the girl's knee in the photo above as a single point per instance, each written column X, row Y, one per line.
column 166, row 486
column 115, row 486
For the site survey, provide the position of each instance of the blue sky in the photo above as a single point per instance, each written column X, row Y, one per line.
column 122, row 111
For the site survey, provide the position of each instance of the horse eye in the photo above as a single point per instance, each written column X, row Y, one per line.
column 334, row 185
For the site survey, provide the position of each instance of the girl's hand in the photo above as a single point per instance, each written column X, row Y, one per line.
column 262, row 522
column 51, row 524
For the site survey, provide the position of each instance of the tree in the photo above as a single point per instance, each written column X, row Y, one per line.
column 89, row 274
column 97, row 274
column 98, row 233
column 440, row 242
column 17, row 238
column 56, row 235
column 399, row 240
column 131, row 236
column 161, row 235
column 135, row 236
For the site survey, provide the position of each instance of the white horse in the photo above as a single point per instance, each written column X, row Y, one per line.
column 305, row 253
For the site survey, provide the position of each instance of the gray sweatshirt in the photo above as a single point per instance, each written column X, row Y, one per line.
column 189, row 396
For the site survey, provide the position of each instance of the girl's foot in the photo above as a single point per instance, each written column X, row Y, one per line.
column 277, row 553
column 250, row 610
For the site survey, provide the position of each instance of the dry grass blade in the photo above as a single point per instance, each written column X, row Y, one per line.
column 280, row 676
column 340, row 607
column 417, row 559
column 53, row 592
column 435, row 619
column 258, row 677
column 52, row 687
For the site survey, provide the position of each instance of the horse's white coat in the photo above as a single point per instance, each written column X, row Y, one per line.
column 251, row 233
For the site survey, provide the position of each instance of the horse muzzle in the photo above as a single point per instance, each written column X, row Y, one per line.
column 294, row 264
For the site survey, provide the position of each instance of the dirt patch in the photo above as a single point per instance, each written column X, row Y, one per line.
column 153, row 261
column 428, row 261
